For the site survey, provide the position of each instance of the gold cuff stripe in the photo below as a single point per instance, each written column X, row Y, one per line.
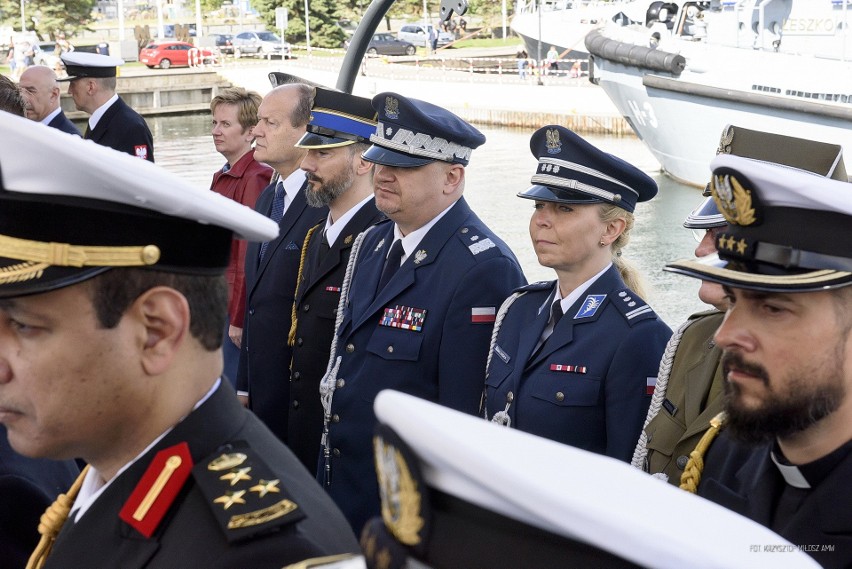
column 813, row 277
column 67, row 255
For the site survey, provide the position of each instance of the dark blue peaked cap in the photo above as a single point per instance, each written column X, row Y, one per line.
column 570, row 170
column 412, row 133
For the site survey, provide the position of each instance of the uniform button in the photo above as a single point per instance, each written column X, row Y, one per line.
column 560, row 396
column 336, row 452
column 299, row 342
column 350, row 348
column 251, row 311
column 510, row 397
column 295, row 404
column 390, row 349
column 296, row 376
column 681, row 461
column 335, row 418
column 306, row 307
column 464, row 230
column 341, row 383
column 334, row 311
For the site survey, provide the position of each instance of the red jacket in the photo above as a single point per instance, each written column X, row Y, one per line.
column 243, row 183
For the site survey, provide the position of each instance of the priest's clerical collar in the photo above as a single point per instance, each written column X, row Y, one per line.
column 811, row 474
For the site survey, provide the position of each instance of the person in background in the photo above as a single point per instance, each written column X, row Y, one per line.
column 111, row 353
column 575, row 360
column 41, row 90
column 690, row 384
column 552, row 64
column 337, row 135
column 781, row 454
column 112, row 123
column 523, row 62
column 241, row 179
column 272, row 267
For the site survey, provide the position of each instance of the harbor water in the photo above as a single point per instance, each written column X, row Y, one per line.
column 497, row 172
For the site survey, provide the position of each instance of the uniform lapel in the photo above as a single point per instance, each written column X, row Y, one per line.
column 97, row 133
column 294, row 211
column 264, row 202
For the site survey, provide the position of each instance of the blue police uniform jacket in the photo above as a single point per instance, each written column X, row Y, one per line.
column 590, row 384
column 425, row 333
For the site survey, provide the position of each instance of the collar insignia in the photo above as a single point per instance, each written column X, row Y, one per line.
column 419, row 256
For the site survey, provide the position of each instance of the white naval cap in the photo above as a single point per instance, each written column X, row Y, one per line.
column 70, row 208
column 587, row 500
column 82, row 64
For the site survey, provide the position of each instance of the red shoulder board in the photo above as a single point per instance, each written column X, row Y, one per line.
column 157, row 489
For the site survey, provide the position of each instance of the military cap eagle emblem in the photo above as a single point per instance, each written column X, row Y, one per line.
column 392, row 107
column 400, row 493
column 734, row 201
column 553, row 142
column 725, row 140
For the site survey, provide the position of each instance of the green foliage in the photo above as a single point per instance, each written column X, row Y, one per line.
column 323, row 17
column 47, row 17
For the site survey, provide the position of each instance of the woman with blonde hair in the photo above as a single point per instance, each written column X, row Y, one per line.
column 575, row 359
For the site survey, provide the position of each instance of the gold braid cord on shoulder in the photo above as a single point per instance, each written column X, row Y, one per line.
column 291, row 337
column 692, row 473
column 52, row 521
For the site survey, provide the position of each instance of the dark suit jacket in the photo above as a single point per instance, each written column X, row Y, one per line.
column 27, row 487
column 693, row 397
column 744, row 479
column 62, row 123
column 459, row 269
column 588, row 385
column 194, row 532
column 264, row 369
column 316, row 310
column 125, row 130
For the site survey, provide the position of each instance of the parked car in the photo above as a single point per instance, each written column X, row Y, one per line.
column 418, row 34
column 169, row 30
column 260, row 43
column 225, row 42
column 45, row 54
column 170, row 54
column 386, row 44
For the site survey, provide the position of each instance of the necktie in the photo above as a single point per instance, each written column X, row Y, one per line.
column 324, row 246
column 277, row 212
column 392, row 263
column 555, row 315
column 556, row 312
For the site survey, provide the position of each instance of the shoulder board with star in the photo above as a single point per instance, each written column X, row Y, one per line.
column 633, row 308
column 245, row 496
column 480, row 244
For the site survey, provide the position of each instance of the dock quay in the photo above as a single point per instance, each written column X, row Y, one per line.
column 481, row 86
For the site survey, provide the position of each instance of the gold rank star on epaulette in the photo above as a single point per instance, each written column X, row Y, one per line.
column 244, row 494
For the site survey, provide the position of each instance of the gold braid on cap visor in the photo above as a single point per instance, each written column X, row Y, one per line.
column 39, row 255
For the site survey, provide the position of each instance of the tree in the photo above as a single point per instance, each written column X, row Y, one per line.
column 47, row 17
column 323, row 18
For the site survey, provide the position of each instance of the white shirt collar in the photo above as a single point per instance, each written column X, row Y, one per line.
column 93, row 485
column 51, row 116
column 413, row 239
column 575, row 294
column 333, row 230
column 99, row 112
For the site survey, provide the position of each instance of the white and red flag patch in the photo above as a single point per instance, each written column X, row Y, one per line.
column 479, row 314
column 650, row 384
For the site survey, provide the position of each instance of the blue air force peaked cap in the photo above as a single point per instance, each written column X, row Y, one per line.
column 571, row 170
column 788, row 229
column 338, row 119
column 80, row 64
column 412, row 133
column 96, row 208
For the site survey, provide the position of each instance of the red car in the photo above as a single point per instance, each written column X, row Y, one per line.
column 173, row 54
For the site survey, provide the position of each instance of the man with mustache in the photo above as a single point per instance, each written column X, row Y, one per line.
column 338, row 177
column 784, row 455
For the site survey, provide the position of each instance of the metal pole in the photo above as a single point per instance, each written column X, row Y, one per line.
column 307, row 28
column 358, row 45
column 23, row 20
column 120, row 8
column 538, row 57
column 199, row 21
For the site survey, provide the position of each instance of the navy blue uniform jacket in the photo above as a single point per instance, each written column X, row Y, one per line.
column 27, row 487
column 459, row 266
column 194, row 532
column 264, row 368
column 588, row 385
column 744, row 479
column 125, row 130
column 62, row 123
column 316, row 310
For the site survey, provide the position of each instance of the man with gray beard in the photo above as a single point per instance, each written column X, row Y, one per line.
column 784, row 455
column 339, row 178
